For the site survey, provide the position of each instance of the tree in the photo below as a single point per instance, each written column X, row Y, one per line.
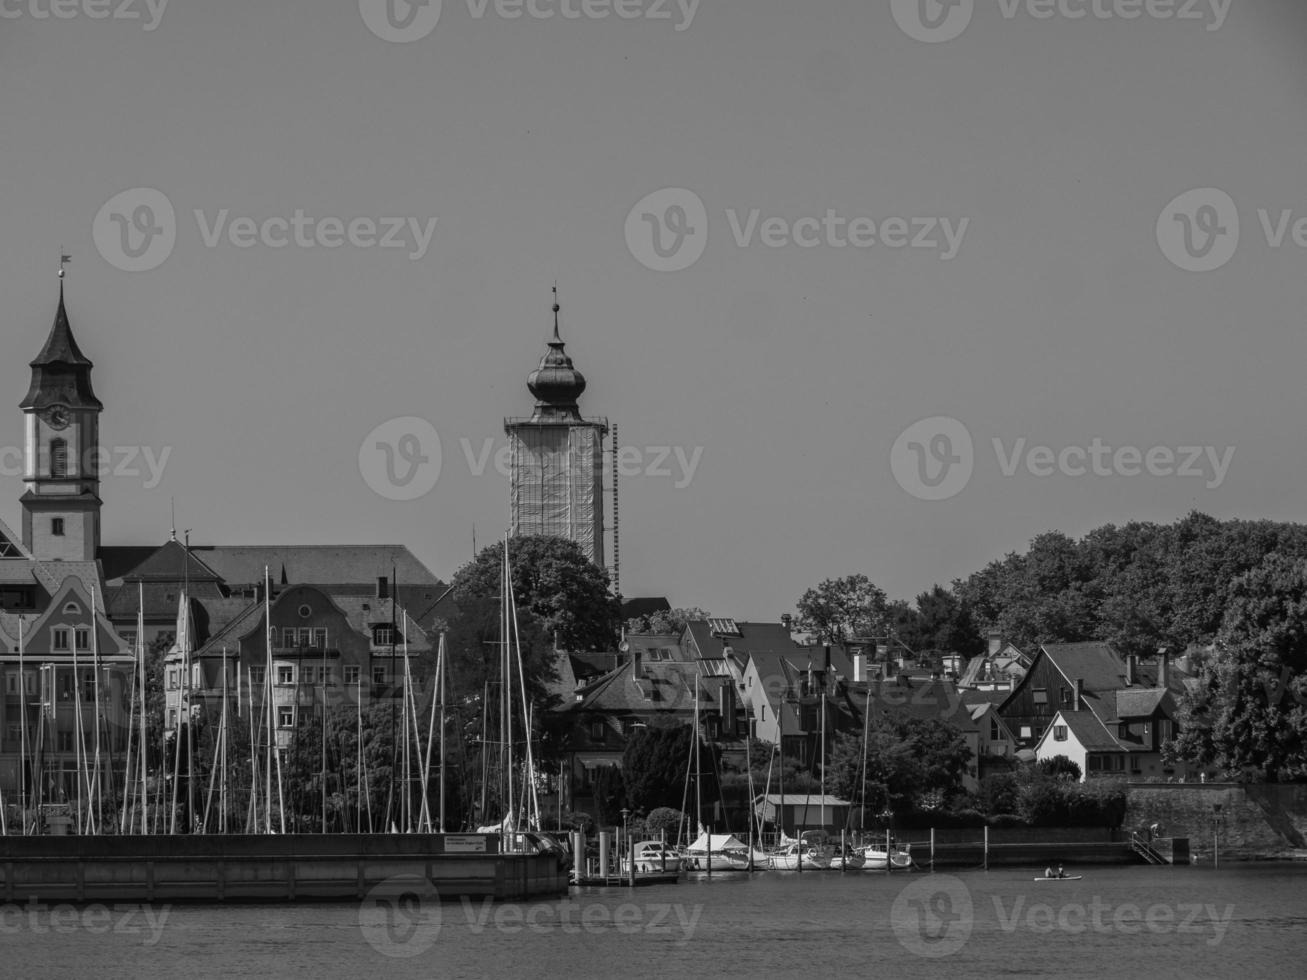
column 552, row 578
column 1060, row 767
column 839, row 609
column 907, row 759
column 665, row 621
column 944, row 625
column 1248, row 714
column 654, row 764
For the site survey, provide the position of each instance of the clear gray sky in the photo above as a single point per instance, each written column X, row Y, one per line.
column 1060, row 319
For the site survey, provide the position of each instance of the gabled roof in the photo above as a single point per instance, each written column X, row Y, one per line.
column 663, row 686
column 316, row 564
column 1088, row 731
column 171, row 563
column 753, row 637
column 1138, row 704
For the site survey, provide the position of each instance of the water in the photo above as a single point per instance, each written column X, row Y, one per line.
column 1247, row 921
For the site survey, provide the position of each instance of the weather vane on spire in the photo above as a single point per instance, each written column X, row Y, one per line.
column 64, row 259
column 556, row 309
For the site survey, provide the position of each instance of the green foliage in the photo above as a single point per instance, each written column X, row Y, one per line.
column 839, row 609
column 1247, row 718
column 1060, row 767
column 664, row 818
column 554, row 580
column 609, row 796
column 1052, row 801
column 999, row 793
column 665, row 621
column 906, row 759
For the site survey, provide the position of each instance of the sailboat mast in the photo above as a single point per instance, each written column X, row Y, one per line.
column 516, row 652
column 440, row 670
column 140, row 669
column 97, row 793
column 267, row 701
column 24, row 782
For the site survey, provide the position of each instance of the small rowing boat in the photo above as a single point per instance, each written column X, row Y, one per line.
column 1062, row 878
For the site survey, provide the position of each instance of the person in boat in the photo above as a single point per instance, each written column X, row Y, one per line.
column 1060, row 872
column 1048, row 872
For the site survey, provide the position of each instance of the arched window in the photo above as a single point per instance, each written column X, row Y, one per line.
column 58, row 458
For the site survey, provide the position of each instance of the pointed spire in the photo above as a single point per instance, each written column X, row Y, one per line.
column 557, row 338
column 61, row 373
column 556, row 383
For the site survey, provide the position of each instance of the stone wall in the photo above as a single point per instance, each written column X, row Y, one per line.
column 1256, row 821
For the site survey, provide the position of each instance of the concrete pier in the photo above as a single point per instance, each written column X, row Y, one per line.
column 290, row 868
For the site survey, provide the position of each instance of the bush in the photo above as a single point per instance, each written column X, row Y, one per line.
column 664, row 818
column 1060, row 767
column 1003, row 820
column 998, row 793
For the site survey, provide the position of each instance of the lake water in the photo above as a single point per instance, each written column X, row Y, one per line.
column 1245, row 921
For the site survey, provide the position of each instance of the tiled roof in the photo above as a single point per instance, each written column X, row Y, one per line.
column 316, row 564
column 1138, row 704
column 643, row 606
column 1088, row 730
column 754, row 637
column 169, row 563
column 662, row 687
column 118, row 560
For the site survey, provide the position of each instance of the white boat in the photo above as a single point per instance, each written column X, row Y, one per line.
column 790, row 858
column 728, row 853
column 1061, row 878
column 877, row 859
column 654, row 855
column 850, row 861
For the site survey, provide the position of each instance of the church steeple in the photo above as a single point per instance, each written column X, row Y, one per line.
column 61, row 373
column 556, row 383
column 61, row 506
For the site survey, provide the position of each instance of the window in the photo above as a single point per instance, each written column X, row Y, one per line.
column 351, row 675
column 172, row 718
column 65, row 741
column 197, row 676
column 1065, row 694
column 172, row 678
column 378, row 675
column 58, row 462
column 994, row 734
column 596, row 731
column 57, row 527
column 257, row 675
column 1059, row 733
column 286, row 716
column 285, row 675
column 129, row 637
column 1134, row 764
column 289, row 635
column 382, row 636
column 60, row 638
column 1025, row 731
column 320, row 638
column 83, row 636
column 308, row 675
column 1041, row 695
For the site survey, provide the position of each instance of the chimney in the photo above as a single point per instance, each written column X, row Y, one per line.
column 383, row 587
column 787, row 620
column 995, row 642
column 859, row 667
column 1011, row 682
column 1079, row 697
column 1130, row 670
column 1163, row 667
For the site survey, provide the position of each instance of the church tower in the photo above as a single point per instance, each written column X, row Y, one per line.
column 61, row 505
column 556, row 474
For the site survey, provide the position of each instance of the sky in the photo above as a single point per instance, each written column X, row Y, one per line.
column 928, row 280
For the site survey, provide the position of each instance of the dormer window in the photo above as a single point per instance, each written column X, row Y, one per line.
column 382, row 636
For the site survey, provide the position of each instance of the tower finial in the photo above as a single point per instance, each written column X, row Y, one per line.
column 557, row 338
column 64, row 259
column 172, row 503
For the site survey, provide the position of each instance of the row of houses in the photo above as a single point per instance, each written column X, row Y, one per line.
column 1109, row 713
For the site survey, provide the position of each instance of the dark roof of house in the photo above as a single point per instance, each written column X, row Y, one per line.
column 1088, row 730
column 752, row 638
column 643, row 606
column 118, row 560
column 662, row 686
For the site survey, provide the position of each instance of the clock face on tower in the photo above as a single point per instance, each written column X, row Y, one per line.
column 57, row 417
